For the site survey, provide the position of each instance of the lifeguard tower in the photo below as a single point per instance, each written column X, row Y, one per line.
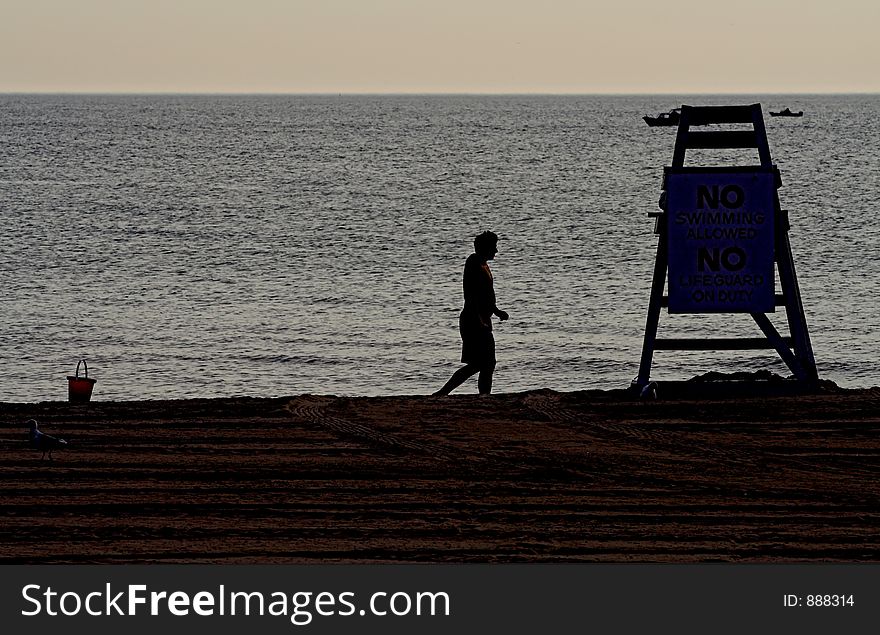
column 723, row 238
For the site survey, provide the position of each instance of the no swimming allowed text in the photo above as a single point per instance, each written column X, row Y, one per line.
column 721, row 242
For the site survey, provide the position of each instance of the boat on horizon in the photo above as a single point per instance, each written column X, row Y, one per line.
column 670, row 118
column 786, row 112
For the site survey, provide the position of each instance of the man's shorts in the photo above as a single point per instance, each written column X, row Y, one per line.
column 477, row 341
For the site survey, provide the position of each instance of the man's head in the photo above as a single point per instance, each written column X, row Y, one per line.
column 486, row 245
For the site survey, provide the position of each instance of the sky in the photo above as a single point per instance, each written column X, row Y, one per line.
column 440, row 46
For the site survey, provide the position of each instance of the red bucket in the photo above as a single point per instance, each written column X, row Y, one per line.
column 79, row 389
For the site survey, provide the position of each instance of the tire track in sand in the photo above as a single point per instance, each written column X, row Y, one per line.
column 735, row 452
column 549, row 406
column 314, row 409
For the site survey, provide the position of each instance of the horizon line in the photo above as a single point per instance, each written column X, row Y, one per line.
column 427, row 93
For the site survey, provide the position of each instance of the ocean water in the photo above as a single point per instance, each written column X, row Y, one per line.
column 200, row 246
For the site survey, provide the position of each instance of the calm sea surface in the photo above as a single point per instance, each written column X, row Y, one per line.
column 212, row 246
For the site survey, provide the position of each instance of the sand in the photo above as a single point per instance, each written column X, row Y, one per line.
column 530, row 477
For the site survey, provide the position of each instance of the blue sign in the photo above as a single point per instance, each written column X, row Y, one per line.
column 720, row 229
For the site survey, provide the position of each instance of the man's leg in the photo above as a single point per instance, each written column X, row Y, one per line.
column 484, row 383
column 458, row 378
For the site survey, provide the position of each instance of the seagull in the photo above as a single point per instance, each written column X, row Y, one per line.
column 649, row 391
column 42, row 441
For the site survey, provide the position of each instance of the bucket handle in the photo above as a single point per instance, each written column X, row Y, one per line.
column 83, row 362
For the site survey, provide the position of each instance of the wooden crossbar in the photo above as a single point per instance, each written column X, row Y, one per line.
column 702, row 115
column 779, row 300
column 716, row 344
column 722, row 139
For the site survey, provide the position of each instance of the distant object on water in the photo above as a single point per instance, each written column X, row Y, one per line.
column 670, row 118
column 786, row 112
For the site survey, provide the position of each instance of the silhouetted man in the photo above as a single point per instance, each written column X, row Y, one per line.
column 475, row 321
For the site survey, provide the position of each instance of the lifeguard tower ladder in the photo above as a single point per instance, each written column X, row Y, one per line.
column 795, row 350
